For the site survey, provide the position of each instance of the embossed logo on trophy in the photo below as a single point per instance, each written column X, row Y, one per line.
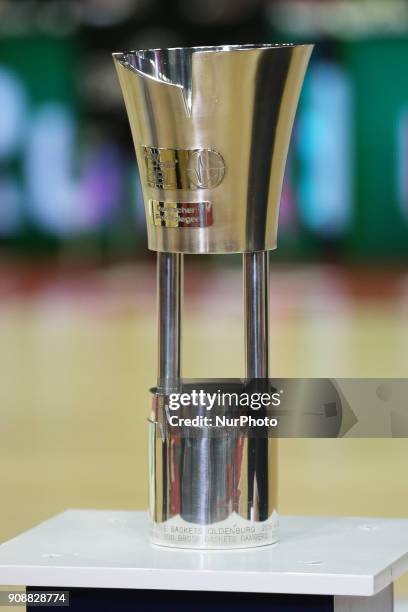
column 205, row 168
column 188, row 169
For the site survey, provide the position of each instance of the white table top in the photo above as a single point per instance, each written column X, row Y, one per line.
column 110, row 549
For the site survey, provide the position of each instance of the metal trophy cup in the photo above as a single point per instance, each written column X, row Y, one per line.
column 211, row 128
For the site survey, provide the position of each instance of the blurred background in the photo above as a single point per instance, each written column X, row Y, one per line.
column 77, row 284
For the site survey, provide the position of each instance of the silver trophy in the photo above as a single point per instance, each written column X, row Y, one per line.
column 211, row 128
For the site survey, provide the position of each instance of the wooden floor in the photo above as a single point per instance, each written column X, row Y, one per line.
column 77, row 357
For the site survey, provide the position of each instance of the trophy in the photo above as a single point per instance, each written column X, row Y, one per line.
column 211, row 128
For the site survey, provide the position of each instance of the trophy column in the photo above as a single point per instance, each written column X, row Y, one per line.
column 261, row 469
column 169, row 301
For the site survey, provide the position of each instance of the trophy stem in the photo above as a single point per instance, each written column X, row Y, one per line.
column 169, row 300
column 256, row 300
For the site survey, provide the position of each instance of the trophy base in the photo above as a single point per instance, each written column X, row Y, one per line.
column 232, row 533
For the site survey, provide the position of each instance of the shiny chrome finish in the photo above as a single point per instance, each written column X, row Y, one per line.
column 211, row 128
column 171, row 169
column 261, row 469
column 256, row 300
column 169, row 300
column 169, row 304
column 213, row 124
column 210, row 491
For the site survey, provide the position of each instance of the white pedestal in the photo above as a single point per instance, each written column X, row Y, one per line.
column 355, row 560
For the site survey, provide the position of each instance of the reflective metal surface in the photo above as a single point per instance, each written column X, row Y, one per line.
column 208, row 488
column 169, row 300
column 213, row 124
column 256, row 303
column 261, row 471
column 183, row 169
column 211, row 128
